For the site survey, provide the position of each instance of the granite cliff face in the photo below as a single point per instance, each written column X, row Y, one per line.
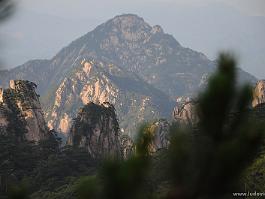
column 21, row 109
column 98, row 82
column 97, row 130
column 259, row 93
column 141, row 67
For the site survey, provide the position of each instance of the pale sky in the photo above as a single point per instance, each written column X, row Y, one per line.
column 252, row 7
column 40, row 28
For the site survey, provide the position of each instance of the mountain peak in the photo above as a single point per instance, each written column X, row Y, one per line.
column 133, row 20
column 128, row 26
column 128, row 19
column 142, row 70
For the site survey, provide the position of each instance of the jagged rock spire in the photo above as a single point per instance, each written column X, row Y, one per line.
column 20, row 103
column 96, row 128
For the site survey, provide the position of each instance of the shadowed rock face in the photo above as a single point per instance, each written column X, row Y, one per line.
column 96, row 128
column 160, row 131
column 259, row 112
column 20, row 102
column 259, row 93
column 185, row 114
column 128, row 146
column 4, row 118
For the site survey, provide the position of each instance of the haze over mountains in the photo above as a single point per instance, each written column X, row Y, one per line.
column 136, row 67
column 206, row 28
column 127, row 111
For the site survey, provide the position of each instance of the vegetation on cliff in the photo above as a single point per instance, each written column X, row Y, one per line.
column 206, row 162
column 222, row 155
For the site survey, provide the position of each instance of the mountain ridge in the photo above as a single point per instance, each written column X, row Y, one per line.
column 156, row 70
column 55, row 61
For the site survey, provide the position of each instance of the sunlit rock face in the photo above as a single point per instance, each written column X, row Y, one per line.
column 20, row 100
column 97, row 130
column 259, row 93
column 186, row 114
column 98, row 82
column 84, row 86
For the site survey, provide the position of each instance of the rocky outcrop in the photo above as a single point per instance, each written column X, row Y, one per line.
column 97, row 130
column 87, row 84
column 185, row 114
column 159, row 132
column 160, row 135
column 259, row 93
column 127, row 146
column 20, row 108
column 97, row 82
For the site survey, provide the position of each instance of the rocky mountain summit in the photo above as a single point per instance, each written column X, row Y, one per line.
column 21, row 111
column 137, row 67
column 97, row 130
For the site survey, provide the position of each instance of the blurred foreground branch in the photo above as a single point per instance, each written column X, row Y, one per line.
column 6, row 9
column 204, row 163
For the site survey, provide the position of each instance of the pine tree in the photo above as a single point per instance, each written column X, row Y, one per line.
column 205, row 162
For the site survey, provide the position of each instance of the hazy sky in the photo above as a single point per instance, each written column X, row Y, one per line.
column 40, row 28
column 252, row 7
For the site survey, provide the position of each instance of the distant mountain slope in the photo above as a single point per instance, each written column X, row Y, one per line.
column 133, row 62
column 130, row 42
column 207, row 28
